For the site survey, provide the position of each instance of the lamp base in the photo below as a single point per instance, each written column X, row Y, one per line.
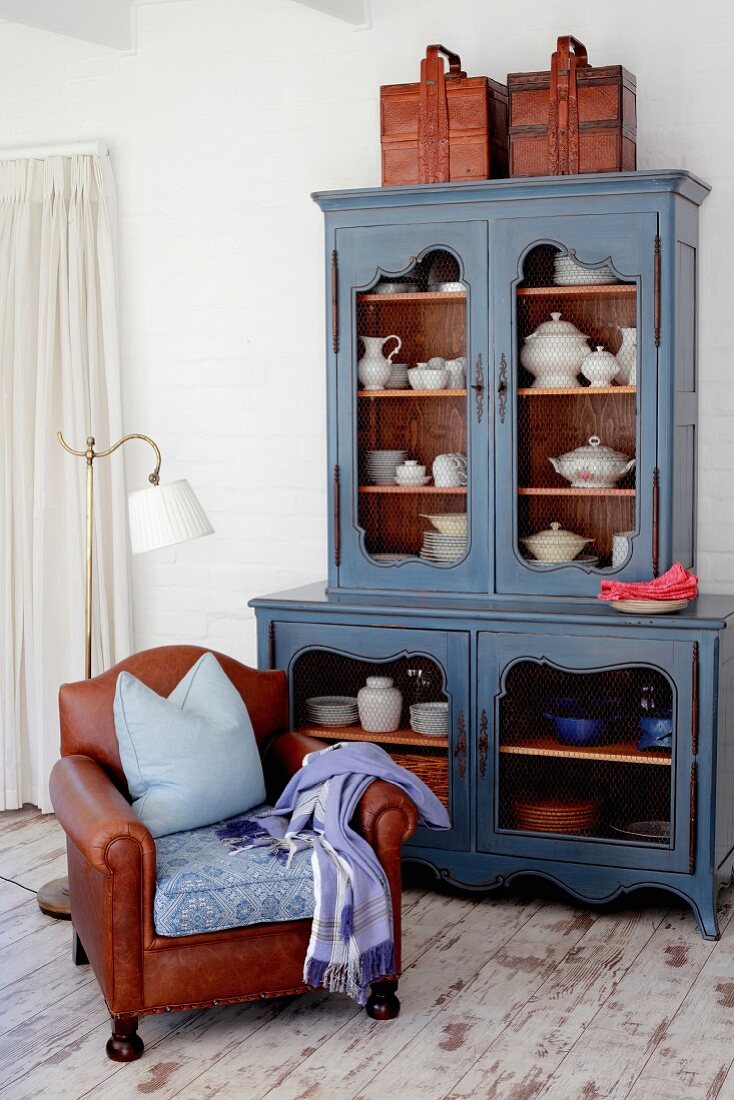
column 53, row 899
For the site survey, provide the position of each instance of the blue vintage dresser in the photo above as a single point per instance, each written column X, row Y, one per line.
column 542, row 391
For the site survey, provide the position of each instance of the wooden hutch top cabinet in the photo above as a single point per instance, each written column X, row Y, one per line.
column 521, row 280
column 547, row 440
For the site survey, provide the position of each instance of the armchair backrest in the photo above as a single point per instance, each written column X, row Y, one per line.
column 87, row 718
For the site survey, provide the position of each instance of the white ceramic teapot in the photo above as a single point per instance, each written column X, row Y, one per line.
column 373, row 369
column 593, row 466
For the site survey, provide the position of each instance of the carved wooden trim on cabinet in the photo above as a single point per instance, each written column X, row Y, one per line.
column 460, row 750
column 478, row 387
column 694, row 701
column 693, row 805
column 334, row 301
column 483, row 745
column 655, row 521
column 336, row 506
column 502, row 389
column 656, row 268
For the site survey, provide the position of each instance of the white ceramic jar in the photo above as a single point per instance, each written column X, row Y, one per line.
column 380, row 705
column 600, row 367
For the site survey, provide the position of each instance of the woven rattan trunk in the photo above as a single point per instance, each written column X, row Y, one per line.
column 573, row 118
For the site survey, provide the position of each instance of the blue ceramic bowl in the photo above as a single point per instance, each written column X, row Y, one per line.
column 657, row 733
column 578, row 731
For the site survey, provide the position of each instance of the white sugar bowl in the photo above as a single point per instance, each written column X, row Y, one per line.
column 601, row 367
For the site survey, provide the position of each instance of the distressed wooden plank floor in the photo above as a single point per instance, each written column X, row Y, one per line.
column 508, row 997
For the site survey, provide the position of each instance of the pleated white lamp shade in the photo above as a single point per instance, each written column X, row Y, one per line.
column 164, row 515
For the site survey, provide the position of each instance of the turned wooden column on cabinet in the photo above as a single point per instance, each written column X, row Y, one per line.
column 512, row 417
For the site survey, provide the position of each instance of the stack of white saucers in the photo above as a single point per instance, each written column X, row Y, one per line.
column 381, row 466
column 440, row 547
column 332, row 710
column 398, row 379
column 566, row 272
column 430, row 719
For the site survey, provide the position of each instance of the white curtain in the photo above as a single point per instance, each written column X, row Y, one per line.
column 59, row 370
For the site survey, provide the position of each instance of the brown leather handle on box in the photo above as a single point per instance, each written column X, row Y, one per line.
column 433, row 114
column 563, row 111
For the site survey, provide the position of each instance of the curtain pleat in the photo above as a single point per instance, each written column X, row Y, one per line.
column 59, row 370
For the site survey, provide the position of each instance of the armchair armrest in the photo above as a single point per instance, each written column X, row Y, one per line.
column 112, row 867
column 94, row 814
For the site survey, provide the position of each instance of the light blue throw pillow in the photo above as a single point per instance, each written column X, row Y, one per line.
column 190, row 759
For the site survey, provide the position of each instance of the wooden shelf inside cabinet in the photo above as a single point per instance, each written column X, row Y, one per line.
column 579, row 290
column 356, row 733
column 427, row 296
column 538, row 491
column 623, row 752
column 421, row 490
column 411, row 393
column 574, row 391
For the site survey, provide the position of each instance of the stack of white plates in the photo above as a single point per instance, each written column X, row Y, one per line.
column 430, row 719
column 332, row 710
column 443, row 288
column 381, row 466
column 398, row 379
column 568, row 273
column 440, row 547
column 389, row 557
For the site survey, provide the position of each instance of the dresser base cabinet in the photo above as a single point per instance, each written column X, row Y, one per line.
column 588, row 748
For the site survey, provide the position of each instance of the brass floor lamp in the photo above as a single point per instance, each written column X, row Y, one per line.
column 159, row 516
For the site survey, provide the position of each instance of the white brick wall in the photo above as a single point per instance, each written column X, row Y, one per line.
column 220, row 125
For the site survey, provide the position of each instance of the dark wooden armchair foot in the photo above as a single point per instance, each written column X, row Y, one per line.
column 382, row 1003
column 78, row 954
column 125, row 1045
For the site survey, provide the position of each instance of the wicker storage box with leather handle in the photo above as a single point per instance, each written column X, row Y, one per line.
column 574, row 118
column 447, row 128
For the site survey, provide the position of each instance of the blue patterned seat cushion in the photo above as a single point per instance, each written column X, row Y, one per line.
column 202, row 886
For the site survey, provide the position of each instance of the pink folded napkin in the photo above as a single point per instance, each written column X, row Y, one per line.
column 677, row 584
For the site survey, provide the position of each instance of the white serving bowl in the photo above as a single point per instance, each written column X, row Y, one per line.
column 449, row 523
column 427, row 379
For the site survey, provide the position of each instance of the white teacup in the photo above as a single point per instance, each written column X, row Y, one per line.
column 436, row 362
column 449, row 471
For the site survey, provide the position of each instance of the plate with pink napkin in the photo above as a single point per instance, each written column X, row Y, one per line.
column 671, row 592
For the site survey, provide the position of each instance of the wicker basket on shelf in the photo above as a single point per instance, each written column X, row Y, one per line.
column 431, row 767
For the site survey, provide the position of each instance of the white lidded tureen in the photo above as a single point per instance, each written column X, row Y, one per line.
column 555, row 544
column 593, row 466
column 553, row 354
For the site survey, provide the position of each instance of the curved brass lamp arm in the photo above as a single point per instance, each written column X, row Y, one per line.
column 90, row 454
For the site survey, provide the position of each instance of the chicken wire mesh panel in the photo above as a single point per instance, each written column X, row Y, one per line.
column 586, row 754
column 576, row 411
column 399, row 704
column 411, row 416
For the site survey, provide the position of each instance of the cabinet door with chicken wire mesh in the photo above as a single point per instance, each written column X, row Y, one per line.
column 590, row 749
column 405, row 690
column 576, row 428
column 413, row 412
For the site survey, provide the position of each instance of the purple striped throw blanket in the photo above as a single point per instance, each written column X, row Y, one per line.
column 352, row 942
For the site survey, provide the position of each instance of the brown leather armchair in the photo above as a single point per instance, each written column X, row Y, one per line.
column 112, row 861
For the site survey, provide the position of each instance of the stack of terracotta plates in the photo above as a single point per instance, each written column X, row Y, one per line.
column 556, row 815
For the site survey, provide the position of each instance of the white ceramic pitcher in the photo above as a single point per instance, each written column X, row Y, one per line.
column 373, row 369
